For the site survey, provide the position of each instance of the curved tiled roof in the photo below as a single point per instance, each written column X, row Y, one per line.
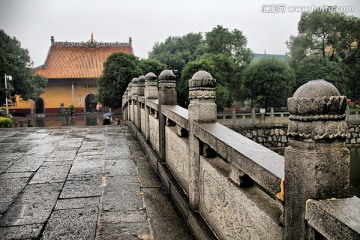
column 79, row 60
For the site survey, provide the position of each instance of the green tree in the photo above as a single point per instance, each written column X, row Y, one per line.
column 223, row 69
column 36, row 85
column 352, row 73
column 331, row 35
column 151, row 65
column 118, row 71
column 175, row 52
column 221, row 40
column 222, row 53
column 269, row 82
column 15, row 61
column 312, row 68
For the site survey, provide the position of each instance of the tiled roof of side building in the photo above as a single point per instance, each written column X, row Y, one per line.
column 79, row 60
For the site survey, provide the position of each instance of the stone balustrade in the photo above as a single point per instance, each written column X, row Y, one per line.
column 229, row 187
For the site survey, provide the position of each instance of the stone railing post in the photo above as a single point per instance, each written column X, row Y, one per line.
column 202, row 109
column 128, row 99
column 253, row 117
column 167, row 96
column 317, row 163
column 140, row 92
column 150, row 92
column 233, row 117
column 124, row 105
column 272, row 116
column 134, row 90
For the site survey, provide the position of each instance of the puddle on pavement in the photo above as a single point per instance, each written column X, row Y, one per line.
column 60, row 120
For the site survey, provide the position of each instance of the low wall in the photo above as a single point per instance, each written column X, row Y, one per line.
column 353, row 136
column 225, row 184
column 270, row 137
column 276, row 136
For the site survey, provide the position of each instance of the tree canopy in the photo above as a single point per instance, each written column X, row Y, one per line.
column 151, row 65
column 15, row 61
column 175, row 52
column 223, row 69
column 335, row 38
column 312, row 68
column 222, row 53
column 221, row 40
column 118, row 71
column 269, row 82
column 331, row 35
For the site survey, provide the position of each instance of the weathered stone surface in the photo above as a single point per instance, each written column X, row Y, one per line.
column 51, row 174
column 34, row 205
column 125, row 197
column 21, row 232
column 125, row 231
column 86, row 188
column 119, row 167
column 10, row 187
column 148, row 177
column 28, row 163
column 177, row 156
column 124, row 216
column 72, row 224
column 233, row 213
column 317, row 163
column 46, row 200
column 157, row 203
column 163, row 228
column 342, row 217
column 16, row 175
column 167, row 75
column 62, row 155
column 69, row 203
column 86, row 165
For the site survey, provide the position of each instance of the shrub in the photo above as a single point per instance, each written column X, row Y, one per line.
column 72, row 109
column 5, row 122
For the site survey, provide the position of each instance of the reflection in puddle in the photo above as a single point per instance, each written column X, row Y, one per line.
column 61, row 120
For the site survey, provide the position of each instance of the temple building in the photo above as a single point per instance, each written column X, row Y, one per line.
column 71, row 69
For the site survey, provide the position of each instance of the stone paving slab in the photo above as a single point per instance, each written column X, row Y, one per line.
column 32, row 206
column 31, row 231
column 51, row 174
column 81, row 183
column 77, row 203
column 72, row 224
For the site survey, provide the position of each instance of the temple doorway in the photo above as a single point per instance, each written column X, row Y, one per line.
column 39, row 106
column 90, row 103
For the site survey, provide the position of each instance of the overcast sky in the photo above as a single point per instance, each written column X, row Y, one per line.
column 33, row 22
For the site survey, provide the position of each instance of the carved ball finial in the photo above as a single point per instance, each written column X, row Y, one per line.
column 141, row 79
column 202, row 85
column 150, row 76
column 202, row 79
column 316, row 89
column 167, row 75
column 134, row 81
column 317, row 111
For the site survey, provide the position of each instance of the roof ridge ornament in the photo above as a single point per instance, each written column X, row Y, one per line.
column 92, row 40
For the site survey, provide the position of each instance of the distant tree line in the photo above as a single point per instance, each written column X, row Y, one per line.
column 326, row 47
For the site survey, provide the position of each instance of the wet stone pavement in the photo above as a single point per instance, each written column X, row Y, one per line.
column 81, row 183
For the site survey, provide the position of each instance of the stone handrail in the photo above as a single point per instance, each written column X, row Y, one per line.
column 261, row 164
column 229, row 186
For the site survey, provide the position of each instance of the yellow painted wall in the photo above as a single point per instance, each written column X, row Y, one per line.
column 59, row 91
column 20, row 104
